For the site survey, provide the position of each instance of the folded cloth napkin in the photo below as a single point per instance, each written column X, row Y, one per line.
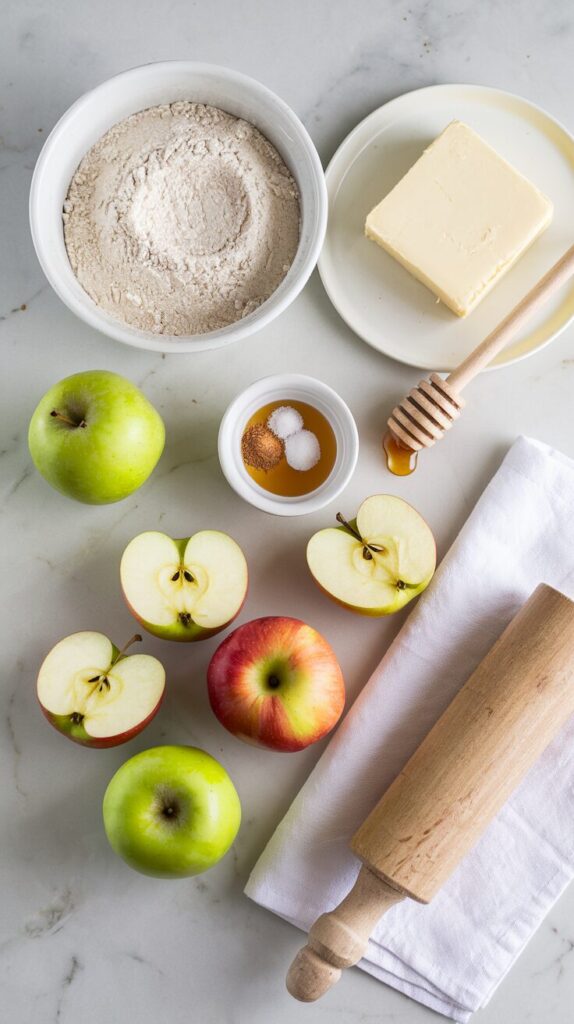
column 451, row 954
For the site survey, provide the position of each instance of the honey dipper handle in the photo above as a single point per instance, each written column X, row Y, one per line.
column 501, row 335
column 339, row 939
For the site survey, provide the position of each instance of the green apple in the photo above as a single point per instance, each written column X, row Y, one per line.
column 171, row 811
column 96, row 695
column 95, row 437
column 184, row 589
column 376, row 564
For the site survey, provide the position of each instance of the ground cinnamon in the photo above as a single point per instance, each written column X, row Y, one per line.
column 260, row 448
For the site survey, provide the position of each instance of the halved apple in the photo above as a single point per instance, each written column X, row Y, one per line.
column 184, row 589
column 377, row 563
column 96, row 695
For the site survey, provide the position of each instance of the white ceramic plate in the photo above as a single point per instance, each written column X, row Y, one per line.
column 380, row 300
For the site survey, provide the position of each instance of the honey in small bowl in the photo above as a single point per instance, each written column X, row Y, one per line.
column 288, row 448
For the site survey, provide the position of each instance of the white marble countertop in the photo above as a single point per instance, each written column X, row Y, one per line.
column 83, row 940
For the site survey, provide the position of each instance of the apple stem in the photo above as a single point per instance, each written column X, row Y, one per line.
column 136, row 638
column 367, row 548
column 66, row 419
column 341, row 519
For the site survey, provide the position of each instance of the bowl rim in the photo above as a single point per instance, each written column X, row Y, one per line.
column 88, row 311
column 261, row 389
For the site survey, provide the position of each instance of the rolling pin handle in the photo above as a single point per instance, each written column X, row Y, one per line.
column 339, row 939
column 310, row 976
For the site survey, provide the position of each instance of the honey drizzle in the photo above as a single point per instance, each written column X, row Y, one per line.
column 401, row 461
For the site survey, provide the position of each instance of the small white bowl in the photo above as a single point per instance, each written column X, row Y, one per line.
column 147, row 86
column 288, row 387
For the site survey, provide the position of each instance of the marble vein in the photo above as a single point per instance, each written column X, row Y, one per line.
column 16, row 748
column 67, row 982
column 16, row 485
column 51, row 918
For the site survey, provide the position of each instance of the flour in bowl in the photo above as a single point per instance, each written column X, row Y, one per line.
column 181, row 219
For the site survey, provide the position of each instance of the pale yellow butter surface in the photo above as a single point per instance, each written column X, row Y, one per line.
column 459, row 218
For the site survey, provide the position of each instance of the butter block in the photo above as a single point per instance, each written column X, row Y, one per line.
column 460, row 218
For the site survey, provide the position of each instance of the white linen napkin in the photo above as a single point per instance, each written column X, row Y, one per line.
column 451, row 954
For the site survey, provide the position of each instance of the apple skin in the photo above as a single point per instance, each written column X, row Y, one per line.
column 275, row 682
column 113, row 454
column 200, row 796
column 182, row 634
column 178, row 632
column 77, row 733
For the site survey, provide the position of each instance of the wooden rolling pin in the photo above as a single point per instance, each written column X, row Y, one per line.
column 465, row 769
column 432, row 407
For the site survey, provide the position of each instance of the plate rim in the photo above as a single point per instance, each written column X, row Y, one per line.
column 331, row 168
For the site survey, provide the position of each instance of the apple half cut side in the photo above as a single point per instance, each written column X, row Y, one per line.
column 377, row 563
column 94, row 694
column 184, row 589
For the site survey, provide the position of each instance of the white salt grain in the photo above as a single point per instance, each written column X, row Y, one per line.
column 302, row 450
column 285, row 421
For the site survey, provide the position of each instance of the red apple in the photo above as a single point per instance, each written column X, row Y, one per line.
column 276, row 682
column 94, row 694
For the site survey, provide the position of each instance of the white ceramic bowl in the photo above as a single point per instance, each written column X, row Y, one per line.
column 166, row 82
column 294, row 387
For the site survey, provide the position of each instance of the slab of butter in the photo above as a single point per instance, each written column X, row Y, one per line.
column 459, row 218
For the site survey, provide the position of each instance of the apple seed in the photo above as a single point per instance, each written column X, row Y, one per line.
column 186, row 575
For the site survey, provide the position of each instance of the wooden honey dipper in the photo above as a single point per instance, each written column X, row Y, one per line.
column 430, row 409
column 465, row 769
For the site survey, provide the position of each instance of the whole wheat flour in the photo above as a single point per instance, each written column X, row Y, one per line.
column 181, row 219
